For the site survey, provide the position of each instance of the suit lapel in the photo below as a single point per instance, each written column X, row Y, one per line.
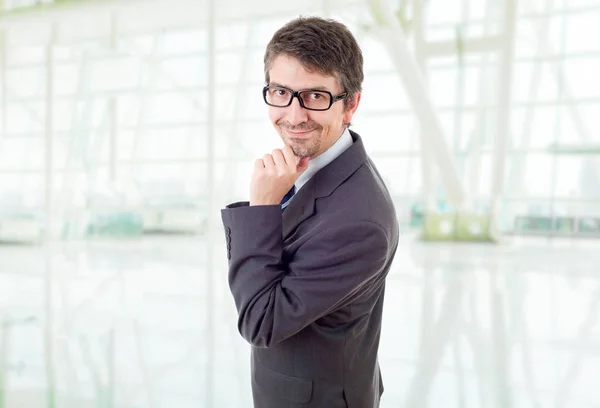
column 322, row 184
column 300, row 208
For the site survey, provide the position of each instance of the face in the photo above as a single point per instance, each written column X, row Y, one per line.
column 308, row 133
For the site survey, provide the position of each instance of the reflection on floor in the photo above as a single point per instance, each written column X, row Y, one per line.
column 143, row 324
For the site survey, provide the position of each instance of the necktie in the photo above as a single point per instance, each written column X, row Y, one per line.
column 286, row 199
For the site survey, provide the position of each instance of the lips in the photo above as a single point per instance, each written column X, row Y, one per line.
column 299, row 134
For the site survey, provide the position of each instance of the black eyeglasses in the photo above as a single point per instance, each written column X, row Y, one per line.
column 310, row 99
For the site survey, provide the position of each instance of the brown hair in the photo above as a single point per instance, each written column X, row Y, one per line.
column 322, row 45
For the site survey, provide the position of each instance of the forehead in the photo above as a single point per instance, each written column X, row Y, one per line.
column 289, row 72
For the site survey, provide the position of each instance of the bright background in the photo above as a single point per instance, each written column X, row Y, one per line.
column 127, row 125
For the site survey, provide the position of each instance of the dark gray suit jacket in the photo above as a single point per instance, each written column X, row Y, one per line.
column 309, row 286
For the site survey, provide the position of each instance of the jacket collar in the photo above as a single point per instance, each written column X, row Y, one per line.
column 323, row 183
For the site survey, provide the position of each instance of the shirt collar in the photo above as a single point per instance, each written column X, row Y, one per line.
column 316, row 164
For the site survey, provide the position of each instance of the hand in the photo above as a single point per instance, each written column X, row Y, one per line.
column 274, row 175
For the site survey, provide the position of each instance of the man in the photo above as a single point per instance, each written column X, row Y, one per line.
column 309, row 253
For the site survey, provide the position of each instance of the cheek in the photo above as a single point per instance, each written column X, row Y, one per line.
column 274, row 114
column 319, row 118
column 326, row 121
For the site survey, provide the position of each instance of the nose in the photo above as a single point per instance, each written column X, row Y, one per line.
column 296, row 114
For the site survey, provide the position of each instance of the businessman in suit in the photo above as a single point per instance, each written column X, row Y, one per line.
column 309, row 253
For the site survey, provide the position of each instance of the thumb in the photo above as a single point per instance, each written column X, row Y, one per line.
column 302, row 165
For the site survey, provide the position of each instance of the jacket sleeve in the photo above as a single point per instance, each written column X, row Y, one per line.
column 275, row 300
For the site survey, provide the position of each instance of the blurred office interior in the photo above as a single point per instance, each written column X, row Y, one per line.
column 126, row 125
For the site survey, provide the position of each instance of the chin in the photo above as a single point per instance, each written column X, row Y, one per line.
column 300, row 149
column 301, row 153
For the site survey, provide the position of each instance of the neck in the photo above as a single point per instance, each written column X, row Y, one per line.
column 340, row 133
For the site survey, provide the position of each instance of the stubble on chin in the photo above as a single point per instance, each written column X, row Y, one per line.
column 303, row 148
column 306, row 150
column 302, row 154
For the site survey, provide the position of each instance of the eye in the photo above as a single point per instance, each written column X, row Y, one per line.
column 315, row 96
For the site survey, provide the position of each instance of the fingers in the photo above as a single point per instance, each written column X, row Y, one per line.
column 268, row 161
column 290, row 158
column 282, row 161
column 279, row 159
column 297, row 164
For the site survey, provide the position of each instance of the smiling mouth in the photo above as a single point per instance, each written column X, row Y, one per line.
column 299, row 133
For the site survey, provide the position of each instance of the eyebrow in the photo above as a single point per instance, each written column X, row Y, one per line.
column 314, row 88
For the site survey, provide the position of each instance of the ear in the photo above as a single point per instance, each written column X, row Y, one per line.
column 349, row 113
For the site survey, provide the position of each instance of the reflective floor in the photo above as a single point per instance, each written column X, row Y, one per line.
column 142, row 324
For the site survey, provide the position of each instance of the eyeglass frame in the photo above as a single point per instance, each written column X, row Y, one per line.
column 296, row 94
